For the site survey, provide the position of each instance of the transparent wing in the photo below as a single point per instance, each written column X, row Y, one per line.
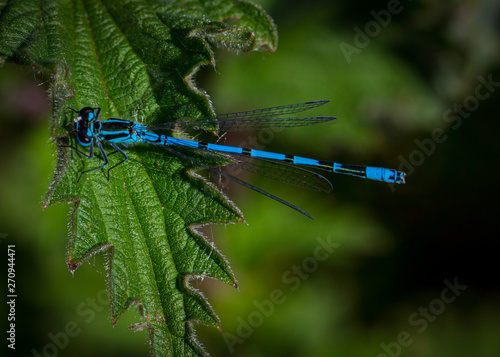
column 276, row 170
column 252, row 120
column 282, row 172
column 235, row 179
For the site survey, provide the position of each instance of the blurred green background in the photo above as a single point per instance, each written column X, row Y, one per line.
column 409, row 92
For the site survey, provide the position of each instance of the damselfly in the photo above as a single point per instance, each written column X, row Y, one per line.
column 90, row 130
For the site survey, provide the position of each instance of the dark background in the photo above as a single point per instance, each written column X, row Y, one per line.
column 394, row 246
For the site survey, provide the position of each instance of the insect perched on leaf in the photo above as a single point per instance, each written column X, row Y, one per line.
column 91, row 131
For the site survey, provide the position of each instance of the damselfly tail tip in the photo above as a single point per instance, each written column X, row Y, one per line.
column 400, row 177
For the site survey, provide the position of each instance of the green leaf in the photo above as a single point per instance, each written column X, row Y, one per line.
column 136, row 60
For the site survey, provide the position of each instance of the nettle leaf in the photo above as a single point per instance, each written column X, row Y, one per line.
column 136, row 60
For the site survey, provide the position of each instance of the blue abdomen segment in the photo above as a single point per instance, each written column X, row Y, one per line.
column 223, row 148
column 181, row 142
column 370, row 172
column 380, row 174
column 298, row 160
column 266, row 155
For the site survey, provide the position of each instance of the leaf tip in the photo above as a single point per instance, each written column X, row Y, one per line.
column 72, row 266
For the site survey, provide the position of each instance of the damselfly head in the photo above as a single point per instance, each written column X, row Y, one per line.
column 84, row 126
